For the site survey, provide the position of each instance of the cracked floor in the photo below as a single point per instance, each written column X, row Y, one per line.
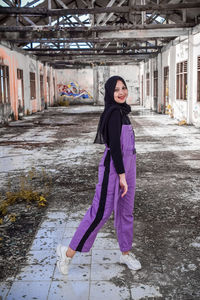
column 166, row 227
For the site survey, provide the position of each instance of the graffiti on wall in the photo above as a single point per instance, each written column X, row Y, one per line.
column 73, row 90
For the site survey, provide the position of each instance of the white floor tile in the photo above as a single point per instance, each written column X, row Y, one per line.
column 29, row 290
column 106, row 271
column 65, row 241
column 4, row 288
column 54, row 223
column 104, row 243
column 105, row 256
column 56, row 215
column 105, row 235
column 43, row 257
column 50, row 232
column 142, row 291
column 36, row 272
column 76, row 272
column 44, row 243
column 72, row 290
column 69, row 232
column 73, row 223
column 108, row 290
column 82, row 258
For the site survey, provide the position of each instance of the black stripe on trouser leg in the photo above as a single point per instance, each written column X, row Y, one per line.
column 102, row 202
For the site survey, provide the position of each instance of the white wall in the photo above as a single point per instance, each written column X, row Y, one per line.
column 27, row 63
column 130, row 73
column 195, row 44
column 144, row 69
column 103, row 73
column 181, row 106
column 178, row 50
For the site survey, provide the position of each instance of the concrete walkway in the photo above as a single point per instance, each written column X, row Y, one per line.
column 98, row 275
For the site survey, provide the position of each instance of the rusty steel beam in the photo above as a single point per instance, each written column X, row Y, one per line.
column 92, row 49
column 70, row 37
column 47, row 28
column 92, row 55
column 98, row 10
column 80, row 65
column 97, row 62
column 79, row 61
column 43, row 40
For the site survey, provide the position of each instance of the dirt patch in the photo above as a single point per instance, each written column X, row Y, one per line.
column 16, row 238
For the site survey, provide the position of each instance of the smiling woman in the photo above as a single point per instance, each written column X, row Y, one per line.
column 115, row 190
column 120, row 92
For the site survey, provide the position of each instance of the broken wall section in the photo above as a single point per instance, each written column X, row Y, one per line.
column 27, row 85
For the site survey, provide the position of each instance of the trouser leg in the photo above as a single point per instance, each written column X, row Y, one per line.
column 90, row 225
column 124, row 226
column 98, row 213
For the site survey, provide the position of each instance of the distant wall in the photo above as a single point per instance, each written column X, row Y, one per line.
column 130, row 73
column 77, row 83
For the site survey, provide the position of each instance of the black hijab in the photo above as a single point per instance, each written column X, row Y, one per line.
column 110, row 106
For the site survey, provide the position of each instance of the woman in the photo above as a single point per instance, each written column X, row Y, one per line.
column 116, row 185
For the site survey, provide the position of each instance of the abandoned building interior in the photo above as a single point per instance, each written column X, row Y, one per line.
column 55, row 48
column 55, row 57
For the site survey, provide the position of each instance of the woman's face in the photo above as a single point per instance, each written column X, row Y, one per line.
column 120, row 92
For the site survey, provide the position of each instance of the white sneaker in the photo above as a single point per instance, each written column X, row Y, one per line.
column 131, row 261
column 62, row 260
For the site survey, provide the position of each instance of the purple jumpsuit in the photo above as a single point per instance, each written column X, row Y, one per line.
column 108, row 198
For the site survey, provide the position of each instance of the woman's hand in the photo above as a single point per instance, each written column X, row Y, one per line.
column 123, row 183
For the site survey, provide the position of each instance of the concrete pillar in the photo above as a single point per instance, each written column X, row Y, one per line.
column 100, row 76
column 95, row 85
column 142, row 86
column 51, row 86
column 145, row 88
column 106, row 75
column 45, row 85
column 13, row 87
column 38, row 86
column 190, row 79
column 151, row 62
column 172, row 76
column 159, row 82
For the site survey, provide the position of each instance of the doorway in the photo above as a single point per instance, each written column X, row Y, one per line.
column 20, row 91
column 166, row 89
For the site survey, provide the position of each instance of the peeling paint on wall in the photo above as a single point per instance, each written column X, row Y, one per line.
column 17, row 61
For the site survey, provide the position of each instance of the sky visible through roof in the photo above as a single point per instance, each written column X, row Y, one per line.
column 82, row 19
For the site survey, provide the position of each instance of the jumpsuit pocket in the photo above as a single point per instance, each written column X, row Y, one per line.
column 128, row 140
